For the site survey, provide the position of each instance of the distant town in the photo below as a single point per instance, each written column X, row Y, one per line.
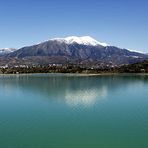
column 141, row 67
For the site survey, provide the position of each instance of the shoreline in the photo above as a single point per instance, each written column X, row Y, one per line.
column 75, row 74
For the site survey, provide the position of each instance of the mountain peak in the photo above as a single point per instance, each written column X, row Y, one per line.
column 84, row 40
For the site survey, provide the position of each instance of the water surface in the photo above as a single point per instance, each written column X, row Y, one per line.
column 55, row 111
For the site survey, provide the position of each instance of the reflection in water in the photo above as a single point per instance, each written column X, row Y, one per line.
column 72, row 90
column 47, row 111
column 85, row 97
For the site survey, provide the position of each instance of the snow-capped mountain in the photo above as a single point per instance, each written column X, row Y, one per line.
column 76, row 50
column 85, row 40
column 6, row 51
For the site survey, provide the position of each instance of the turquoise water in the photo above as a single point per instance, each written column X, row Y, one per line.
column 67, row 111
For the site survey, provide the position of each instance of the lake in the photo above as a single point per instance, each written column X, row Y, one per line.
column 73, row 111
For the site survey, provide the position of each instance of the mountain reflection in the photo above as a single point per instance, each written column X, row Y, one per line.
column 85, row 97
column 73, row 90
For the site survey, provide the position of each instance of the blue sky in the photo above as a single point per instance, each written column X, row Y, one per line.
column 122, row 23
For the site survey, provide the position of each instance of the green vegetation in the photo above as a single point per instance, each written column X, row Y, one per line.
column 141, row 67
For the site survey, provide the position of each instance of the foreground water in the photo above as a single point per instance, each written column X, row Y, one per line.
column 62, row 111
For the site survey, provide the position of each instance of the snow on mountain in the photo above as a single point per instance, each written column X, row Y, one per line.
column 137, row 51
column 6, row 50
column 85, row 40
